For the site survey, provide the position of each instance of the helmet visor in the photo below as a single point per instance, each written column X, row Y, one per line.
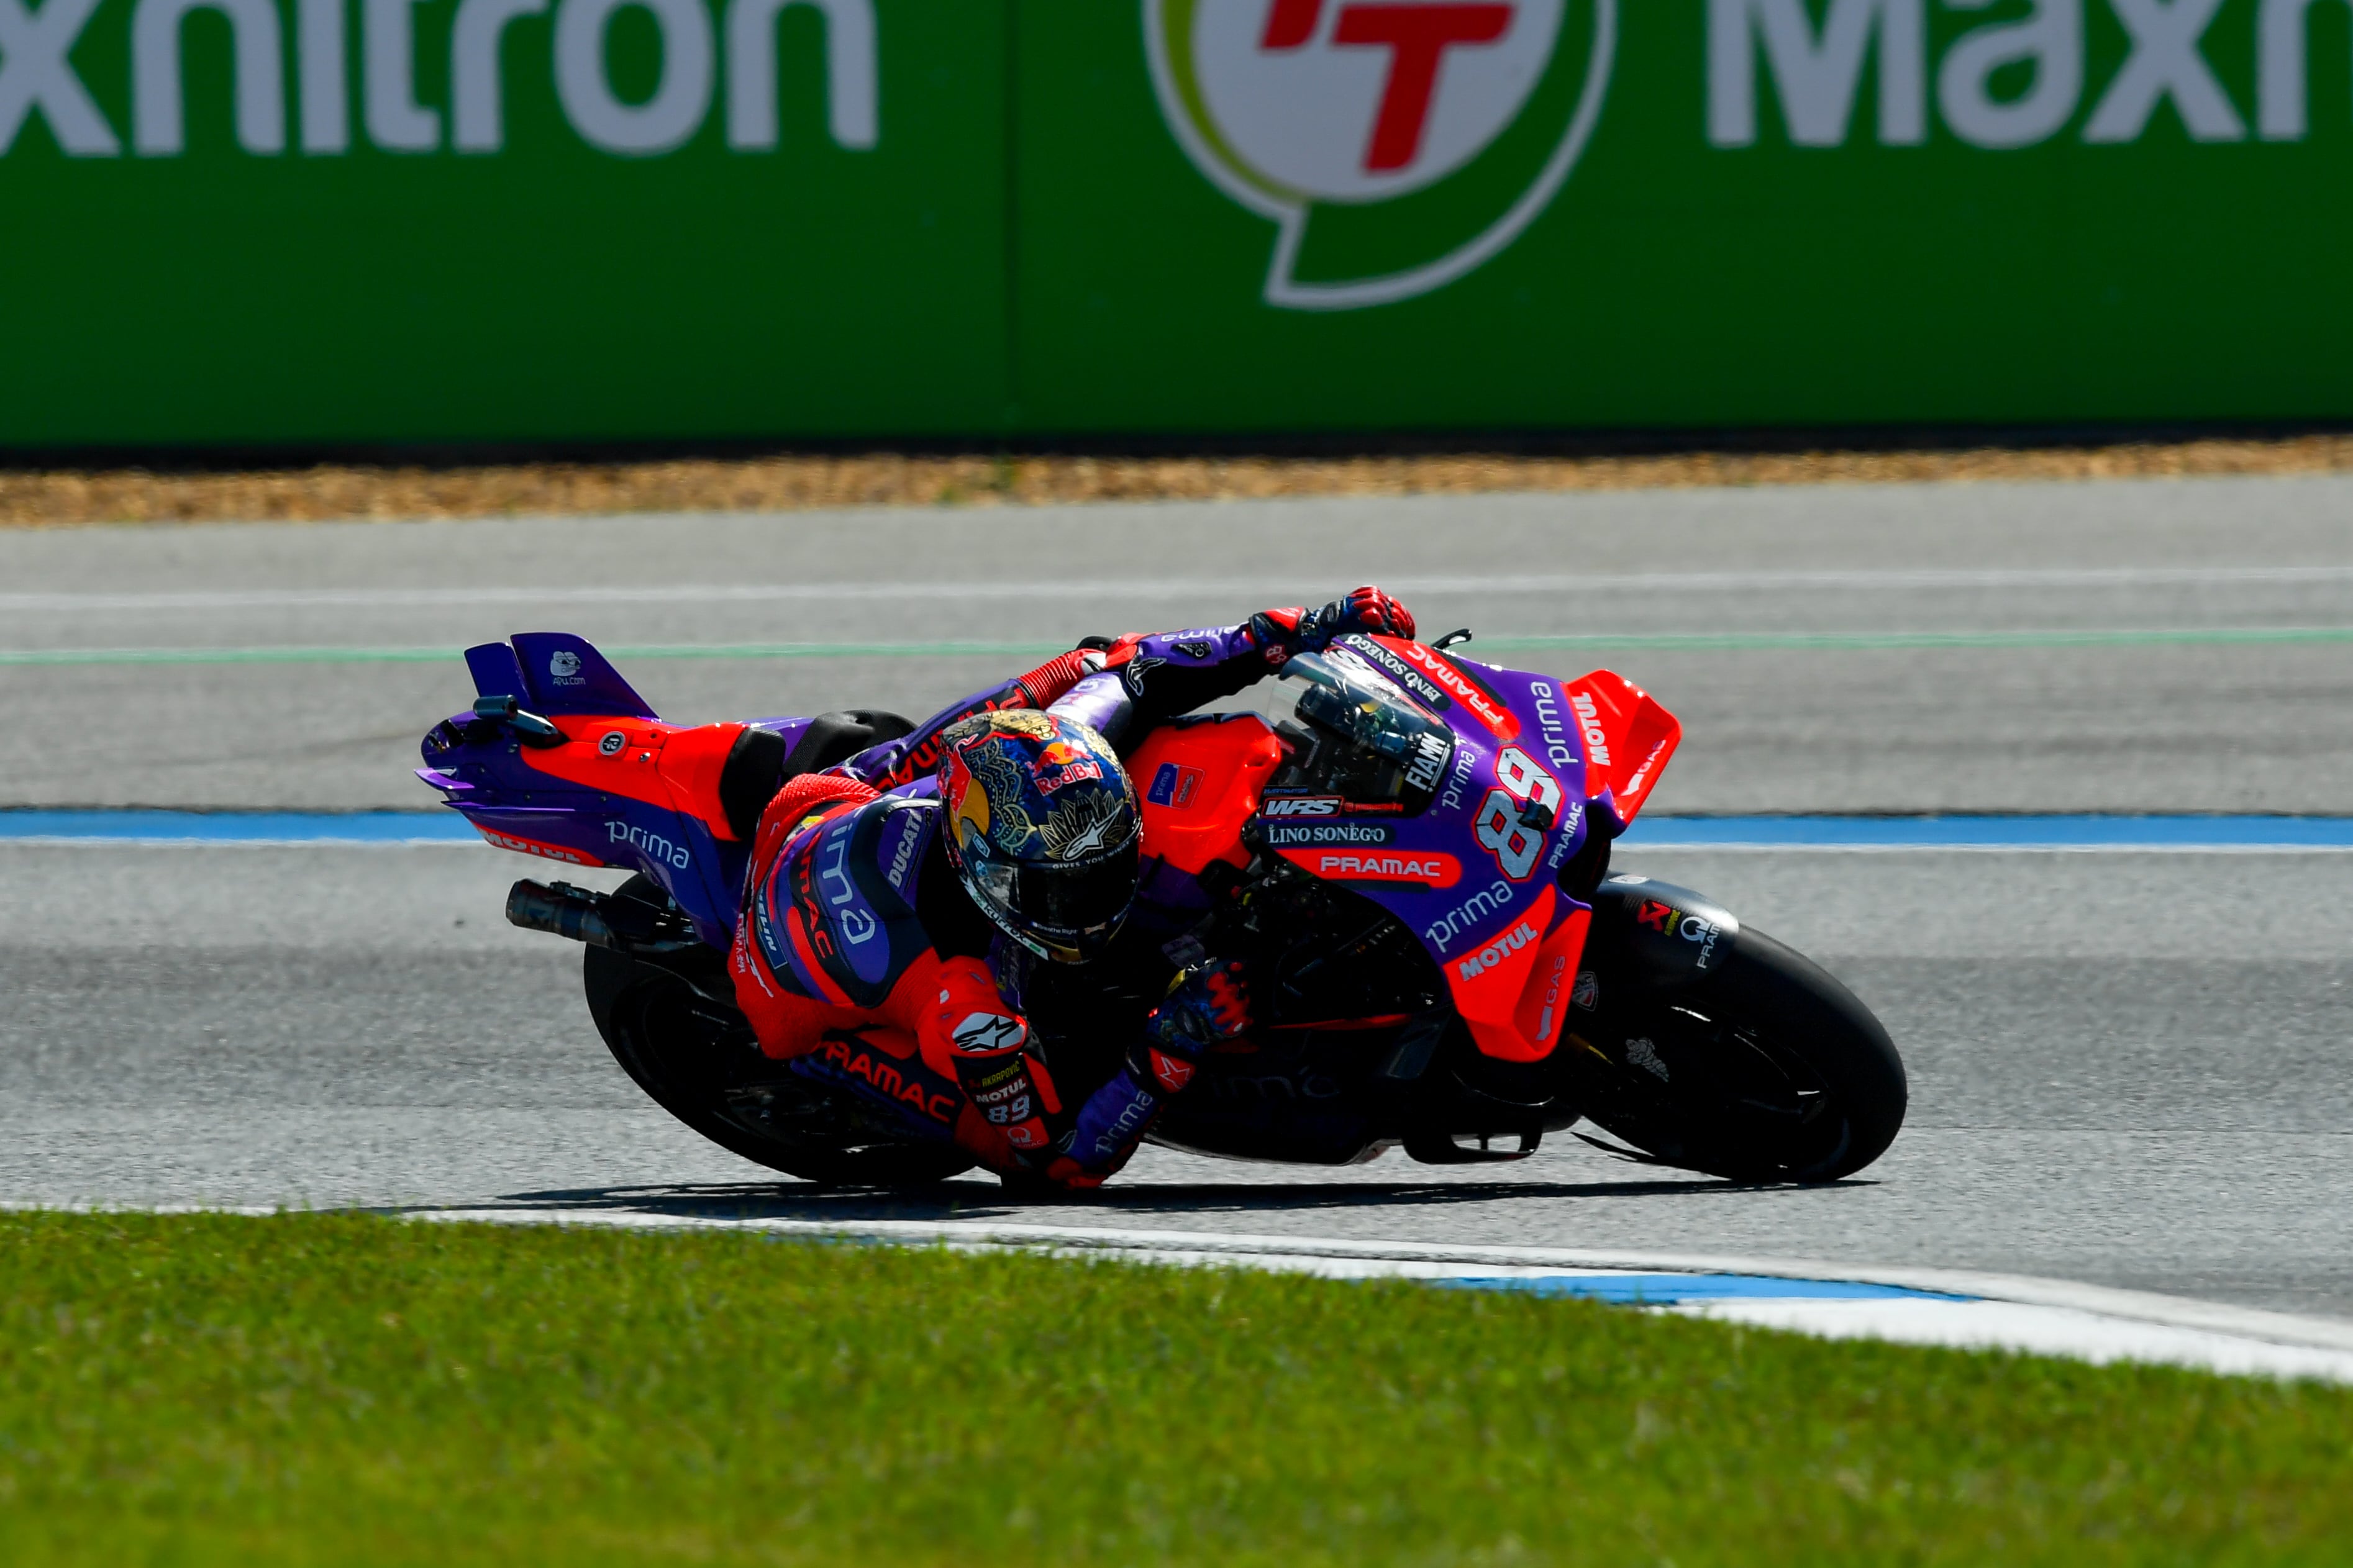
column 1064, row 904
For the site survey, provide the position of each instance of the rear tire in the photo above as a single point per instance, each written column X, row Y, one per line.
column 1770, row 1071
column 696, row 1059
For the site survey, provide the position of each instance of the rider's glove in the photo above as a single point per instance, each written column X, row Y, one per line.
column 1205, row 1003
column 1282, row 633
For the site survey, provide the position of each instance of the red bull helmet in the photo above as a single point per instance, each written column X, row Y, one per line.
column 1042, row 830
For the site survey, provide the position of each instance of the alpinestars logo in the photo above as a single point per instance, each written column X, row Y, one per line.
column 1397, row 144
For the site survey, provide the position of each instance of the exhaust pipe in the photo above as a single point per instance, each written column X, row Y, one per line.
column 565, row 911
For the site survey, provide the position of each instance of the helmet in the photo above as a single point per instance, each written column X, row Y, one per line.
column 1042, row 830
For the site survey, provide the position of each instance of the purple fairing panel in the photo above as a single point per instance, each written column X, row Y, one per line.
column 566, row 675
column 789, row 728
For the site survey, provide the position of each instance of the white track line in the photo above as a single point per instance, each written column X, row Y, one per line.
column 470, row 596
column 2048, row 1317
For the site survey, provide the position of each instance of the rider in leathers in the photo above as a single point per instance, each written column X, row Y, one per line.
column 895, row 901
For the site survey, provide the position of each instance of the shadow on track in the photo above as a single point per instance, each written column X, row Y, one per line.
column 979, row 1200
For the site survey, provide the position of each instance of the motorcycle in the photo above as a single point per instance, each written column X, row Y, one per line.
column 1411, row 855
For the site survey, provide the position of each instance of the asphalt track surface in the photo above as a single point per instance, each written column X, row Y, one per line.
column 2128, row 1068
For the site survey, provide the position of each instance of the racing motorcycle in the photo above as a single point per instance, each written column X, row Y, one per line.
column 1411, row 855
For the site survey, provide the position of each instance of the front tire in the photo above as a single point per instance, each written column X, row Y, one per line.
column 1770, row 1071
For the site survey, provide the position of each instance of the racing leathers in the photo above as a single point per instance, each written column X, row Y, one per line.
column 859, row 958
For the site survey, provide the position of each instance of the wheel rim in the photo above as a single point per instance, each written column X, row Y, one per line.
column 1739, row 1101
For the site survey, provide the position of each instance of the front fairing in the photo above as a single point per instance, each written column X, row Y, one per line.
column 1474, row 874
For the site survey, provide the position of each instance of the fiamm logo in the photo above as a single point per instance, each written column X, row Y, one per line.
column 1397, row 144
column 36, row 74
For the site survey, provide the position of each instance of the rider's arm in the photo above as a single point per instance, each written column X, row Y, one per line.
column 970, row 1031
column 916, row 754
column 1124, row 689
column 1205, row 1003
column 1148, row 678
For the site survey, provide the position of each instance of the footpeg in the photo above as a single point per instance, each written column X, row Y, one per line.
column 1450, row 1148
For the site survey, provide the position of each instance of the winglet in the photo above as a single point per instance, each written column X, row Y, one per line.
column 1628, row 739
column 568, row 676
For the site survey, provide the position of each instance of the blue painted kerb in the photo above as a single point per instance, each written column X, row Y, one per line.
column 1673, row 1289
column 241, row 826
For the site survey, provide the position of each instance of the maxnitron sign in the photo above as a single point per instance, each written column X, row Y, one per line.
column 1292, row 104
column 1817, row 71
column 37, row 76
column 361, row 221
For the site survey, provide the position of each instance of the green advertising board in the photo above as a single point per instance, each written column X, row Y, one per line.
column 318, row 221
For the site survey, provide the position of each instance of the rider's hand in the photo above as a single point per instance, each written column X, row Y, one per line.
column 1284, row 632
column 1205, row 1004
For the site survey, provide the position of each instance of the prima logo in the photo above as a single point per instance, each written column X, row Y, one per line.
column 1467, row 915
column 653, row 846
column 858, row 922
column 1329, row 117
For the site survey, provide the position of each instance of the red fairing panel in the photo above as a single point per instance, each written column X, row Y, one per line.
column 1199, row 784
column 674, row 766
column 1628, row 740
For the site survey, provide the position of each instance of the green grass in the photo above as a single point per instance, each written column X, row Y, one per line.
column 346, row 1390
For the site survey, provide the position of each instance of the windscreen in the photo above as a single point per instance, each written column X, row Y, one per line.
column 1336, row 694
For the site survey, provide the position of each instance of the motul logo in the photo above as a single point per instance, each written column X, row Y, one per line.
column 1589, row 718
column 1495, row 951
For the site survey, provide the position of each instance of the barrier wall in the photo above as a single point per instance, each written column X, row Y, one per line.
column 359, row 220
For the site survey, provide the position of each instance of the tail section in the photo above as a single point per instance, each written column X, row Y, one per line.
column 555, row 672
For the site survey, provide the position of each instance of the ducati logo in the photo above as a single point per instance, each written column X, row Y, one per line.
column 1376, row 133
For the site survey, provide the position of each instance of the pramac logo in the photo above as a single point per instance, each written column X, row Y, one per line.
column 1397, row 144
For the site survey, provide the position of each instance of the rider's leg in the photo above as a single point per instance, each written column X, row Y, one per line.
column 882, row 1068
